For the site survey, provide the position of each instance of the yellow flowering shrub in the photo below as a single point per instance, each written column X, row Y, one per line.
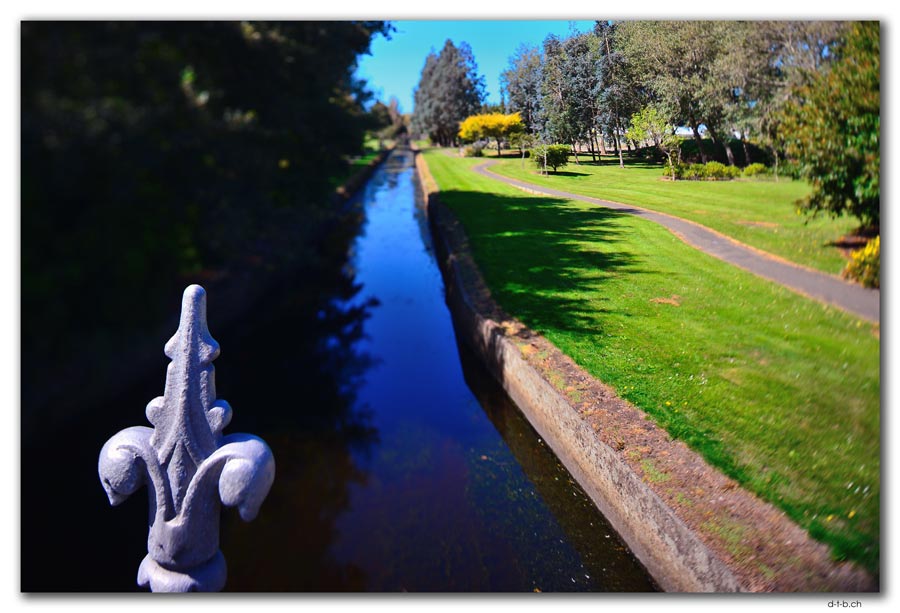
column 865, row 264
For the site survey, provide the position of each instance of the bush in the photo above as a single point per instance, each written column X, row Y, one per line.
column 696, row 172
column 679, row 170
column 756, row 169
column 699, row 172
column 865, row 264
column 718, row 170
column 557, row 156
column 473, row 151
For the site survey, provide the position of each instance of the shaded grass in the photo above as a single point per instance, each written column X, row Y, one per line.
column 778, row 391
column 355, row 164
column 760, row 212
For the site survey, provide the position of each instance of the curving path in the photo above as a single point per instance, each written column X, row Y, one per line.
column 830, row 289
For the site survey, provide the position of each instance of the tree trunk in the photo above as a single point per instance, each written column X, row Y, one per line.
column 775, row 155
column 498, row 146
column 728, row 152
column 575, row 151
column 697, row 139
column 619, row 148
column 602, row 142
column 746, row 148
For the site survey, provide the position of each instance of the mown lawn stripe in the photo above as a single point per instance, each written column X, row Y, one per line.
column 759, row 212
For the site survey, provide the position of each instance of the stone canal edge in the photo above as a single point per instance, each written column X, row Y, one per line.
column 694, row 529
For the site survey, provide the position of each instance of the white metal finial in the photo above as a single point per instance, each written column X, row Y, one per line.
column 190, row 468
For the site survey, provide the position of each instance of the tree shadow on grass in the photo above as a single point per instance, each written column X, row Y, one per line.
column 545, row 260
column 629, row 163
column 567, row 173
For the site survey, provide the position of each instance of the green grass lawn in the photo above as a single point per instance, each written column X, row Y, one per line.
column 778, row 391
column 355, row 164
column 759, row 212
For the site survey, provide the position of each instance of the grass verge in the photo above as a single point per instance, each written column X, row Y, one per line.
column 778, row 391
column 759, row 212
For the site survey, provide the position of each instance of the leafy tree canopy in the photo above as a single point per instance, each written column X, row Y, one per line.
column 521, row 84
column 650, row 124
column 832, row 127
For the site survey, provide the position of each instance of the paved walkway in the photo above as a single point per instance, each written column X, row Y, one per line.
column 826, row 288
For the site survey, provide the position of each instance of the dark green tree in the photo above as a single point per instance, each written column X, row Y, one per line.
column 449, row 90
column 796, row 51
column 665, row 64
column 155, row 154
column 569, row 83
column 743, row 81
column 617, row 93
column 521, row 84
column 379, row 116
column 832, row 126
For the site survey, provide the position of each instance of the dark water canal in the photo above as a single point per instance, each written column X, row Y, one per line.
column 401, row 465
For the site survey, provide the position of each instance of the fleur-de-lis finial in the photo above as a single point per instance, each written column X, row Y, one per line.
column 190, row 468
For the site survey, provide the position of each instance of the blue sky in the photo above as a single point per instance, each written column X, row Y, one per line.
column 395, row 65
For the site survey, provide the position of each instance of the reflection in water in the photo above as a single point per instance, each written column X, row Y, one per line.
column 392, row 473
column 603, row 554
column 304, row 404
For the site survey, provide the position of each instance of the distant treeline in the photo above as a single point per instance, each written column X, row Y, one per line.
column 807, row 91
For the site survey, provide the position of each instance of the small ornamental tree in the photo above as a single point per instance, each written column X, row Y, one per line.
column 491, row 125
column 554, row 156
column 649, row 125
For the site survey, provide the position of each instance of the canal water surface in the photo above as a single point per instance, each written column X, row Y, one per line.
column 401, row 465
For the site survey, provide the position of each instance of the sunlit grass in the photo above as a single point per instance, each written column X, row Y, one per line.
column 778, row 391
column 761, row 212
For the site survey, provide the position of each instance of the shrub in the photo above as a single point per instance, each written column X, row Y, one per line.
column 718, row 170
column 700, row 172
column 696, row 172
column 557, row 156
column 473, row 151
column 865, row 264
column 755, row 169
column 679, row 170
